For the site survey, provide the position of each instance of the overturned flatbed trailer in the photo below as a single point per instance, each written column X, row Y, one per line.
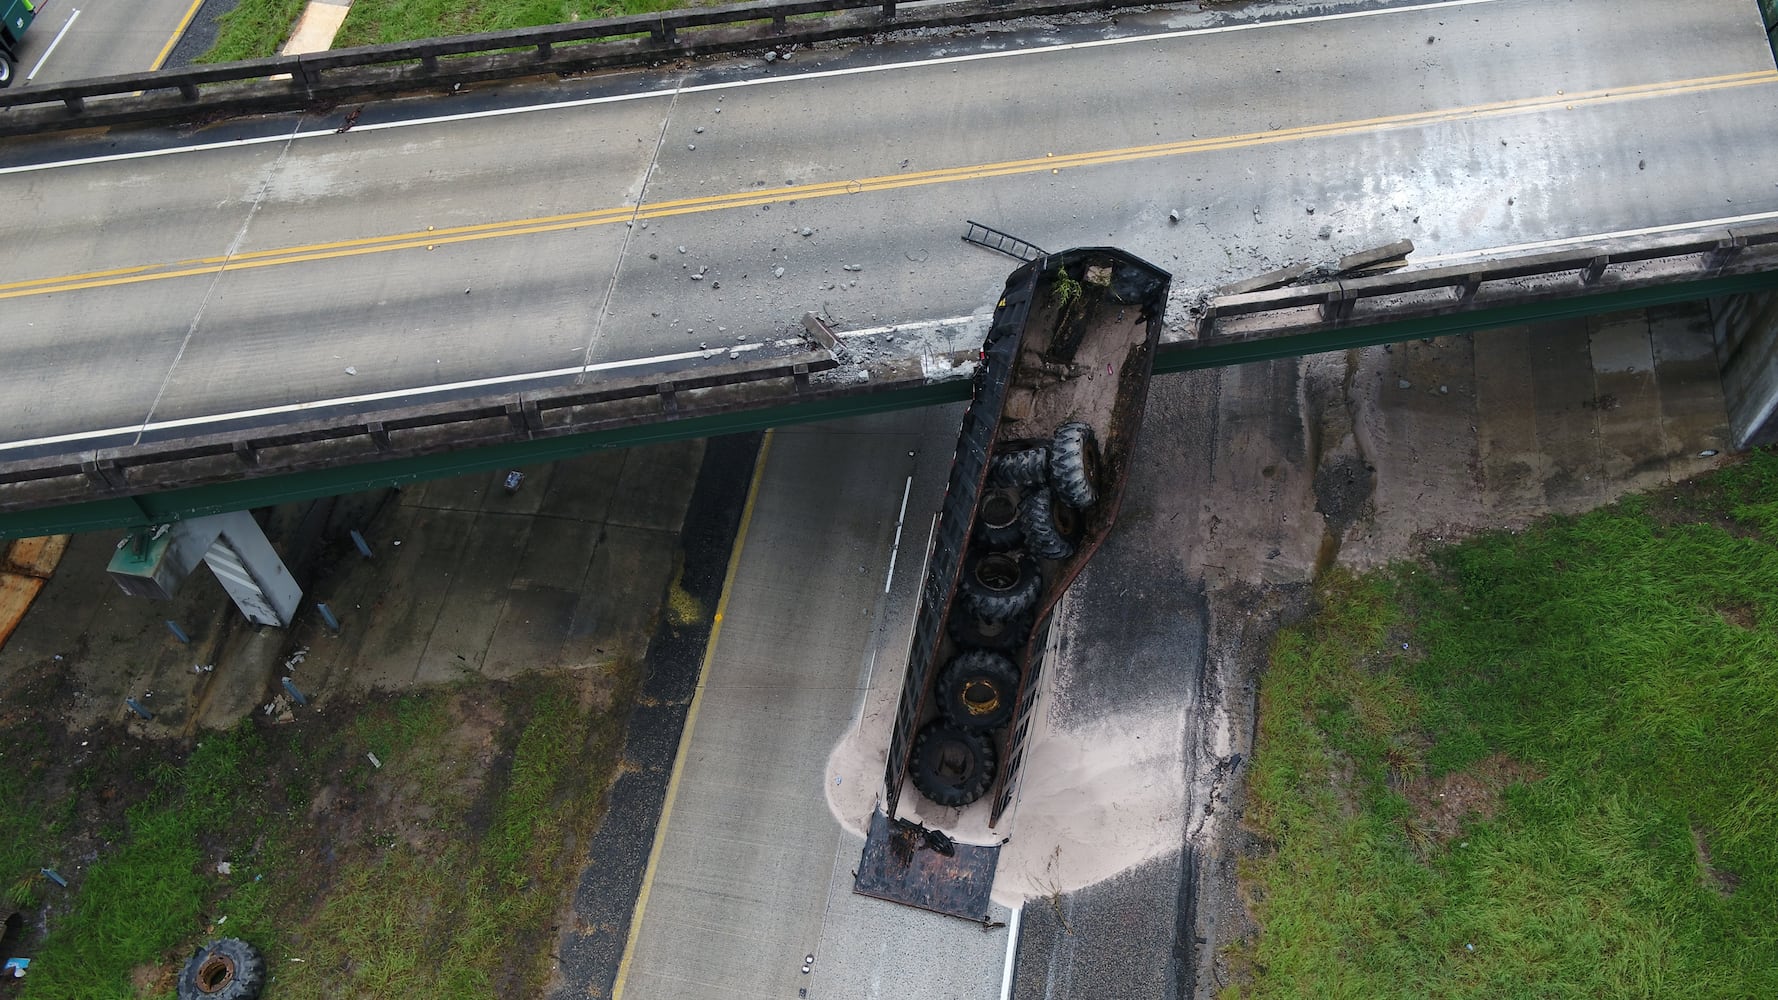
column 1034, row 488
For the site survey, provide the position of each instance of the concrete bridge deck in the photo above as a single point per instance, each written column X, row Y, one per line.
column 269, row 273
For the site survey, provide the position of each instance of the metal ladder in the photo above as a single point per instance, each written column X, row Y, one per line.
column 1006, row 243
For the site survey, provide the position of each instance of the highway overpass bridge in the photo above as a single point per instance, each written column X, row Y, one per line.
column 290, row 306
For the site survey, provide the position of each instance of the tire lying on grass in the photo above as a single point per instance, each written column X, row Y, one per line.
column 1050, row 526
column 228, row 969
column 978, row 690
column 952, row 766
column 1074, row 465
column 971, row 632
column 1001, row 585
column 997, row 519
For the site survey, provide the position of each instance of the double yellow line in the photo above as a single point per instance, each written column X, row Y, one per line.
column 429, row 239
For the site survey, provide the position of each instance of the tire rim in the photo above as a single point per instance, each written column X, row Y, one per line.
column 953, row 762
column 216, row 972
column 999, row 511
column 998, row 572
column 1065, row 519
column 980, row 696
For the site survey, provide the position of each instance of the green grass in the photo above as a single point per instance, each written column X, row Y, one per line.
column 474, row 918
column 149, row 893
column 257, row 29
column 375, row 22
column 440, row 874
column 1626, row 662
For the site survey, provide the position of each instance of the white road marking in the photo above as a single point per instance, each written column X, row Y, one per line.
column 900, row 519
column 372, row 397
column 1035, row 50
column 52, row 45
column 1571, row 241
column 1012, row 951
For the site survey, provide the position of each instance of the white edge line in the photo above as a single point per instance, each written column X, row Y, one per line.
column 52, row 45
column 755, row 82
column 1567, row 241
column 1012, row 951
column 895, row 547
column 426, row 390
column 372, row 397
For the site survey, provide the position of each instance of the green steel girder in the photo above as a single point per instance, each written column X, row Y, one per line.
column 275, row 489
column 243, row 494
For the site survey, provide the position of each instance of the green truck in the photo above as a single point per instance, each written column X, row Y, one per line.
column 15, row 17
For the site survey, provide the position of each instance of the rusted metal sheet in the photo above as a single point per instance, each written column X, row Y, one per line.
column 907, row 863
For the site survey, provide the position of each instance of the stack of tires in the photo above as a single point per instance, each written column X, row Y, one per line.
column 1030, row 512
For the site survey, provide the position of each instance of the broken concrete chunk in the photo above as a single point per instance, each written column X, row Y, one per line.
column 1376, row 255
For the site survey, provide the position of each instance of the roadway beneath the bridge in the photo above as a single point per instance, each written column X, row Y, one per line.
column 427, row 252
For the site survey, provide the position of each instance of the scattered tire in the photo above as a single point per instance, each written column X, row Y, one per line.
column 978, row 690
column 971, row 632
column 1001, row 585
column 952, row 766
column 1074, row 465
column 1025, row 467
column 997, row 520
column 228, row 969
column 1050, row 526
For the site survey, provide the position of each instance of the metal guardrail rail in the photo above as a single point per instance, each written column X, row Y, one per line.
column 1585, row 280
column 343, row 75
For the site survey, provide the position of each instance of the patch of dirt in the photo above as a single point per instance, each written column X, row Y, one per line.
column 1739, row 615
column 1718, row 880
column 1343, row 488
column 153, row 980
column 1442, row 806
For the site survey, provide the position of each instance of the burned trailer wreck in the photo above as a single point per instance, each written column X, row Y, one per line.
column 1034, row 488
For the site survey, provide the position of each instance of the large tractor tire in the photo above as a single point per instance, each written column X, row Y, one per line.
column 1074, row 465
column 978, row 690
column 952, row 766
column 970, row 632
column 1024, row 467
column 997, row 520
column 998, row 586
column 228, row 969
column 1050, row 526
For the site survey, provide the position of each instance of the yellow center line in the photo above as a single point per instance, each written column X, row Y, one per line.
column 184, row 22
column 888, row 182
column 691, row 722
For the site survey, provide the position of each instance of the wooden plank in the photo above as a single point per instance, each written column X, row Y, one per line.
column 17, row 591
column 36, row 557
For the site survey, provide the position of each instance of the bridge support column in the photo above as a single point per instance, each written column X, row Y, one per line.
column 154, row 562
column 1746, row 327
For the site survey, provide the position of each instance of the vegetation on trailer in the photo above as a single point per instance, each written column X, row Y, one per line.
column 438, row 874
column 1535, row 765
column 257, row 29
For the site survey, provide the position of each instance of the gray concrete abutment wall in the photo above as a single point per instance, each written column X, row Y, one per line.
column 1746, row 327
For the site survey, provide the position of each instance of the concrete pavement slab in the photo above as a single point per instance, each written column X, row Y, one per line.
column 651, row 490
